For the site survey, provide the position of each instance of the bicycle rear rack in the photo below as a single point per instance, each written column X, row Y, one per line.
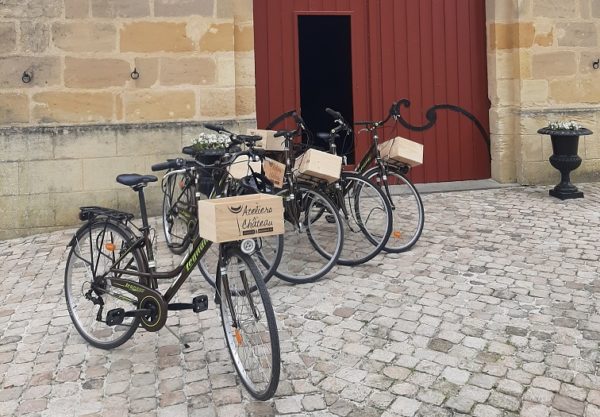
column 91, row 212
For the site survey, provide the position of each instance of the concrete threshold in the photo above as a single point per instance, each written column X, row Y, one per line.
column 444, row 187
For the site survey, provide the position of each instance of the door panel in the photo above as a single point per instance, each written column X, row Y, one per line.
column 428, row 51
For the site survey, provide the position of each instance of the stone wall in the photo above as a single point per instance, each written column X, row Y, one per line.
column 83, row 119
column 540, row 64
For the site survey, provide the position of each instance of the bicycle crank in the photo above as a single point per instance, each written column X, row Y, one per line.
column 152, row 307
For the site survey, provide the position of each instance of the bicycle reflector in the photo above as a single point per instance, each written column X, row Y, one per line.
column 397, row 234
column 110, row 246
column 238, row 336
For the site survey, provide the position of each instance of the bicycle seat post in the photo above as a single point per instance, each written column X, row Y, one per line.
column 143, row 212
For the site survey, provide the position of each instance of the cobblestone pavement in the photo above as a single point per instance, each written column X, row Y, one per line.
column 496, row 312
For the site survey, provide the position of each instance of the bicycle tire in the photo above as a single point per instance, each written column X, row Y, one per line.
column 92, row 246
column 367, row 213
column 407, row 209
column 179, row 213
column 309, row 253
column 256, row 329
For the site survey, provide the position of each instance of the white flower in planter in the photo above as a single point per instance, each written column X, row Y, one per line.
column 564, row 125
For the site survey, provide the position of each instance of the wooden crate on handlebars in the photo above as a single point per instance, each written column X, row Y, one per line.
column 318, row 166
column 402, row 151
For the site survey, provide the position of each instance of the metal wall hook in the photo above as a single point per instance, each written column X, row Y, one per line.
column 596, row 64
column 135, row 74
column 27, row 76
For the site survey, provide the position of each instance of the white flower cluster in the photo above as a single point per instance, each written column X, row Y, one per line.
column 210, row 141
column 570, row 125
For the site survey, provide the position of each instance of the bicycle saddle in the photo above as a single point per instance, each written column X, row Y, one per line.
column 135, row 179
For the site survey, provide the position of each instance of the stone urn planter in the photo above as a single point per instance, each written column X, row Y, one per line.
column 565, row 142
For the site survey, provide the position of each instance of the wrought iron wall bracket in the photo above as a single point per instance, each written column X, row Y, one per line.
column 431, row 116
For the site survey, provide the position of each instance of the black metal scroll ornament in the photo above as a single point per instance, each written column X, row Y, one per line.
column 431, row 116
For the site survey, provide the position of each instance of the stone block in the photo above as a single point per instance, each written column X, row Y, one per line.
column 46, row 71
column 556, row 8
column 549, row 65
column 534, row 91
column 155, row 37
column 155, row 106
column 225, row 9
column 26, row 212
column 565, row 91
column 590, row 148
column 101, row 173
column 148, row 70
column 243, row 11
column 595, row 8
column 244, row 70
column 586, row 61
column 540, row 172
column 9, row 172
column 245, row 101
column 503, row 164
column 577, row 34
column 507, row 92
column 136, row 142
column 544, row 38
column 219, row 37
column 66, row 205
column 31, row 9
column 511, row 35
column 194, row 71
column 95, row 72
column 14, row 108
column 77, row 9
column 119, row 8
column 217, row 102
column 56, row 176
column 226, row 70
column 25, row 147
column 80, row 36
column 531, row 148
column 85, row 143
column 35, row 36
column 244, row 38
column 8, row 37
column 67, row 107
column 590, row 90
column 184, row 7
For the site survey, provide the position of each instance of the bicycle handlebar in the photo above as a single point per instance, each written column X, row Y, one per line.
column 169, row 164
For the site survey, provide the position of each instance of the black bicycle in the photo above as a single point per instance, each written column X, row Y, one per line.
column 111, row 289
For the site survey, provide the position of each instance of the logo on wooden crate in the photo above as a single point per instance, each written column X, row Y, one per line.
column 251, row 218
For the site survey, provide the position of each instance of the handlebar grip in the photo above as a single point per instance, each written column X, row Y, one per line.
column 298, row 119
column 216, row 128
column 280, row 133
column 333, row 113
column 170, row 164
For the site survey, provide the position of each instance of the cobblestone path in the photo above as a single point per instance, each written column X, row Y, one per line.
column 495, row 312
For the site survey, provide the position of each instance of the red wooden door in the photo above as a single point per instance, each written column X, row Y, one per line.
column 428, row 51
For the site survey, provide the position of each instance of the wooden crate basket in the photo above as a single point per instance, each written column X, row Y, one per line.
column 402, row 150
column 318, row 166
column 241, row 217
column 269, row 141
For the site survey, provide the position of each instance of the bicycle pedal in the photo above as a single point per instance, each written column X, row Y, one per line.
column 200, row 303
column 115, row 316
column 330, row 218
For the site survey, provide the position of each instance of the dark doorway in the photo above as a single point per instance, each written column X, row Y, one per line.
column 326, row 75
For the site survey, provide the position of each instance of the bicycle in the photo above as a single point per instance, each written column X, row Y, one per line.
column 187, row 180
column 363, row 207
column 407, row 207
column 111, row 289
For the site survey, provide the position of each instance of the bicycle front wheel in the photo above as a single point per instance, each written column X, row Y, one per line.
column 95, row 249
column 366, row 213
column 313, row 237
column 407, row 208
column 249, row 325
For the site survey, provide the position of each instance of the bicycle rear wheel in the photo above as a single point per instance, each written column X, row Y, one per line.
column 366, row 214
column 407, row 208
column 179, row 212
column 249, row 325
column 88, row 291
column 313, row 237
